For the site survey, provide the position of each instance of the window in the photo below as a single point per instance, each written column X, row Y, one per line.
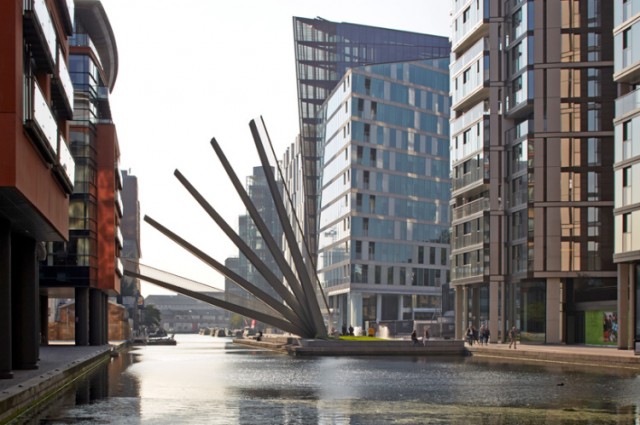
column 626, row 177
column 420, row 255
column 390, row 275
column 360, row 105
column 372, row 250
column 466, row 136
column 377, row 275
column 359, row 150
column 365, row 225
column 365, row 178
column 372, row 156
column 466, row 14
column 626, row 223
column 358, row 201
column 626, row 130
column 372, row 204
column 625, row 38
column 358, row 250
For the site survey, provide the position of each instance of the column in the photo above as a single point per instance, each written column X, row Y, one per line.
column 553, row 309
column 24, row 296
column 459, row 332
column 5, row 300
column 624, row 319
column 355, row 309
column 96, row 317
column 44, row 320
column 465, row 309
column 494, row 290
column 82, row 316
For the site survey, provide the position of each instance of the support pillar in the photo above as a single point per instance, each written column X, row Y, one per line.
column 625, row 320
column 458, row 298
column 465, row 309
column 355, row 309
column 24, row 296
column 553, row 309
column 82, row 316
column 44, row 320
column 494, row 290
column 96, row 317
column 5, row 300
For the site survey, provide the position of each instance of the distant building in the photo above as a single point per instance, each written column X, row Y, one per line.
column 383, row 252
column 182, row 314
column 132, row 250
column 626, row 72
column 258, row 191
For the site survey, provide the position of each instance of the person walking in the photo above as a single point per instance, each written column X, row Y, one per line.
column 414, row 337
column 426, row 336
column 512, row 337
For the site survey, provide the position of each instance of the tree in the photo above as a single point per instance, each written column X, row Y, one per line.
column 152, row 316
column 236, row 321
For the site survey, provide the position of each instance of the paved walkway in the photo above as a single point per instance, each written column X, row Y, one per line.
column 578, row 354
column 57, row 363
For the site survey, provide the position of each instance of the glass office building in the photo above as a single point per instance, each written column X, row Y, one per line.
column 626, row 39
column 324, row 51
column 383, row 252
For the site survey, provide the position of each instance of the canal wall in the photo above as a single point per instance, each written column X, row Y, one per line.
column 321, row 347
column 63, row 365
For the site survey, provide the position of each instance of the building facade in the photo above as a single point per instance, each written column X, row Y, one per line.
column 130, row 295
column 258, row 191
column 324, row 50
column 532, row 160
column 36, row 168
column 383, row 252
column 88, row 266
column 626, row 39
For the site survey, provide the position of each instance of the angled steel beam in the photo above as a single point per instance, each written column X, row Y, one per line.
column 303, row 272
column 267, row 299
column 264, row 270
column 265, row 318
column 270, row 242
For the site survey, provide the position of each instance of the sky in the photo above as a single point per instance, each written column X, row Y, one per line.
column 192, row 70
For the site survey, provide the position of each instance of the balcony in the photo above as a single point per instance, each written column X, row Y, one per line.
column 62, row 89
column 67, row 13
column 66, row 166
column 118, row 202
column 471, row 208
column 466, row 271
column 623, row 11
column 40, row 33
column 119, row 237
column 469, row 56
column 469, row 25
column 119, row 267
column 470, row 117
column 475, row 176
column 39, row 120
column 628, row 103
column 467, row 241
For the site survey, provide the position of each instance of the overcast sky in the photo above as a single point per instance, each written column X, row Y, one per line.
column 191, row 70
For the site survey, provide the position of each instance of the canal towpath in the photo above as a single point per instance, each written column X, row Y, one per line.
column 59, row 365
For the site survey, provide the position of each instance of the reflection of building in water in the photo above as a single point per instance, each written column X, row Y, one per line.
column 183, row 314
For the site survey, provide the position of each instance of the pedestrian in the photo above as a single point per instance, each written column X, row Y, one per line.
column 350, row 330
column 512, row 337
column 469, row 335
column 414, row 337
column 344, row 329
column 486, row 335
column 426, row 336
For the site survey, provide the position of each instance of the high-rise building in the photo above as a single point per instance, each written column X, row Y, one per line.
column 626, row 39
column 88, row 266
column 258, row 191
column 36, row 168
column 130, row 295
column 532, row 168
column 324, row 50
column 383, row 252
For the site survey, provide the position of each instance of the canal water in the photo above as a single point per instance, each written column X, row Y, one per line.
column 207, row 380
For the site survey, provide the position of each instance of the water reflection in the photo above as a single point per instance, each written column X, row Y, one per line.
column 206, row 380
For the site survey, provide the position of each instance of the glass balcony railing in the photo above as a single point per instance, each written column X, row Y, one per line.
column 65, row 161
column 628, row 103
column 466, row 241
column 119, row 267
column 469, row 56
column 469, row 117
column 474, row 176
column 466, row 271
column 62, row 88
column 39, row 119
column 38, row 23
column 466, row 210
